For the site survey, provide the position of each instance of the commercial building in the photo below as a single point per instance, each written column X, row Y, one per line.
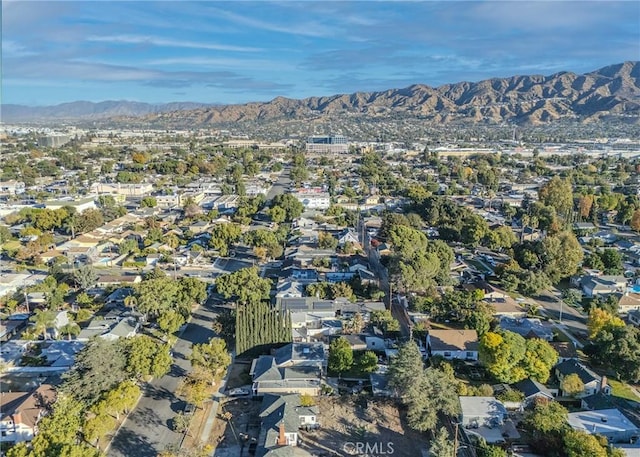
column 337, row 144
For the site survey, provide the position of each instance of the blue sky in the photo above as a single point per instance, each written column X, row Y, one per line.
column 240, row 51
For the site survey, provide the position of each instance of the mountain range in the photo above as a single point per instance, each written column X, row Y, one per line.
column 612, row 91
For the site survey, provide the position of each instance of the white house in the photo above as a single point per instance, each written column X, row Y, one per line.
column 610, row 423
column 20, row 413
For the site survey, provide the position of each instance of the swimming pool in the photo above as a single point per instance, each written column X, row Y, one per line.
column 635, row 288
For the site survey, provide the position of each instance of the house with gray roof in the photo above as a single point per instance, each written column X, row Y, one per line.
column 610, row 423
column 282, row 416
column 527, row 327
column 532, row 391
column 593, row 383
column 268, row 378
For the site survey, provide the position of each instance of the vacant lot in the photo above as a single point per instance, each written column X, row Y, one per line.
column 346, row 421
column 236, row 427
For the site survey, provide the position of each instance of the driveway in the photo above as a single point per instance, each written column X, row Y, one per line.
column 148, row 431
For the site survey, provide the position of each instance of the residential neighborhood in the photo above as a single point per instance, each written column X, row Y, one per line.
column 200, row 299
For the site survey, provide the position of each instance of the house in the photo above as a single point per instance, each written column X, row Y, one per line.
column 527, row 327
column 453, row 344
column 610, row 423
column 634, row 317
column 287, row 288
column 481, row 411
column 110, row 329
column 593, row 286
column 300, row 354
column 269, row 378
column 347, row 236
column 565, row 350
column 20, row 413
column 593, row 383
column 281, row 417
column 116, row 280
column 532, row 391
column 628, row 302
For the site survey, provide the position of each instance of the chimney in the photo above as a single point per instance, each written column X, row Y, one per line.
column 282, row 439
column 603, row 383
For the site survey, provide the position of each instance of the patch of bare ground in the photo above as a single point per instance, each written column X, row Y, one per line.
column 237, row 425
column 348, row 420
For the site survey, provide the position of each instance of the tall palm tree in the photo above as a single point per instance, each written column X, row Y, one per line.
column 43, row 320
column 131, row 301
column 70, row 329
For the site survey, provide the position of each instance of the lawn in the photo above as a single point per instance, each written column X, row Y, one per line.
column 622, row 390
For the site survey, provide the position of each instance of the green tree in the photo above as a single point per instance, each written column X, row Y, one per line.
column 404, row 366
column 327, row 241
column 170, row 321
column 277, row 214
column 546, row 423
column 501, row 353
column 572, row 385
column 441, row 445
column 212, row 357
column 245, row 284
column 367, row 362
column 42, row 321
column 98, row 367
column 181, row 422
column 148, row 202
column 85, row 276
column 617, row 348
column 223, row 236
column 97, row 427
column 70, row 329
column 340, row 356
column 539, row 358
column 562, row 255
column 290, row 204
column 557, row 193
column 146, row 357
column 580, row 444
column 430, row 394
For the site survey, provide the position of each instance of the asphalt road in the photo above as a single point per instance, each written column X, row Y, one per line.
column 571, row 317
column 147, row 431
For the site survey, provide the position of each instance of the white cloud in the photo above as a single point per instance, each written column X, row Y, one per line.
column 157, row 41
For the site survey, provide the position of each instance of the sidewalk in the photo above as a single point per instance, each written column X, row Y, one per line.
column 213, row 411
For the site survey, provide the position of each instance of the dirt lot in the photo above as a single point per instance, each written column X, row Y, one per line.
column 236, row 426
column 346, row 421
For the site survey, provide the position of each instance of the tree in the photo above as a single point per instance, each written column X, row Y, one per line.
column 181, row 422
column 170, row 321
column 277, row 214
column 245, row 284
column 307, row 400
column 212, row 357
column 292, row 207
column 156, row 295
column 148, row 202
column 97, row 427
column 43, row 320
column 600, row 319
column 85, row 276
column 404, row 366
column 223, row 236
column 430, row 394
column 89, row 220
column 539, row 358
column 561, row 255
column 385, row 320
column 195, row 390
column 98, row 367
column 617, row 349
column 572, row 385
column 635, row 220
column 501, row 353
column 327, row 241
column 367, row 362
column 612, row 261
column 340, row 356
column 121, row 398
column 557, row 193
column 580, row 444
column 546, row 423
column 70, row 329
column 441, row 445
column 146, row 357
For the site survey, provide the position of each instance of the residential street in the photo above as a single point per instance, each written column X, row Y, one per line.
column 571, row 317
column 147, row 431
